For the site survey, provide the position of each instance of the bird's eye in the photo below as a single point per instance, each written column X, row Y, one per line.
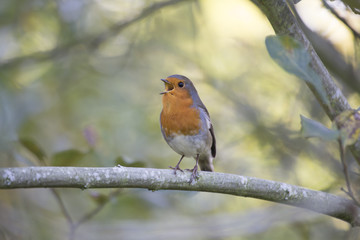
column 181, row 84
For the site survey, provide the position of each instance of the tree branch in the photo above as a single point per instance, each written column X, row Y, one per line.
column 284, row 19
column 89, row 42
column 163, row 179
column 282, row 16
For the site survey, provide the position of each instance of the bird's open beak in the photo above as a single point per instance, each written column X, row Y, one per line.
column 168, row 86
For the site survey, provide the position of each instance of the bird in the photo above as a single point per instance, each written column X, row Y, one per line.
column 186, row 126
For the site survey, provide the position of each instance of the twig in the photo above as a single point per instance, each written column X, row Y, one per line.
column 91, row 214
column 282, row 19
column 343, row 20
column 62, row 206
column 43, row 162
column 349, row 191
column 73, row 226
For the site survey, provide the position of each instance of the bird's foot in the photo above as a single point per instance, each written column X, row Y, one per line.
column 194, row 174
column 177, row 167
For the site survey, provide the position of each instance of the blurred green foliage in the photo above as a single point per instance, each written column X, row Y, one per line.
column 65, row 101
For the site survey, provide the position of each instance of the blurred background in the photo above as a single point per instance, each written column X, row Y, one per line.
column 78, row 89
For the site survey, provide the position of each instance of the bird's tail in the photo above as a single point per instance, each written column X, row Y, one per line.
column 206, row 163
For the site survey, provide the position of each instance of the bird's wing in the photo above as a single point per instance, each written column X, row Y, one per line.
column 211, row 129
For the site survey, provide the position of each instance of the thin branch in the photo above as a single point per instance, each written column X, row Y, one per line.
column 163, row 179
column 282, row 16
column 91, row 42
column 349, row 191
column 62, row 207
column 91, row 214
column 331, row 57
column 343, row 20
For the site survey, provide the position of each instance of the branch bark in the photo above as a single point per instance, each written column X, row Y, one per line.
column 163, row 179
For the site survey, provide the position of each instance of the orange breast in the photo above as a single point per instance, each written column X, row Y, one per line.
column 178, row 117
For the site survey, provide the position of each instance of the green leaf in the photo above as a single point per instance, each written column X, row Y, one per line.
column 293, row 57
column 311, row 128
column 33, row 147
column 67, row 158
column 127, row 162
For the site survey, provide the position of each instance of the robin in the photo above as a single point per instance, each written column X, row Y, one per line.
column 185, row 124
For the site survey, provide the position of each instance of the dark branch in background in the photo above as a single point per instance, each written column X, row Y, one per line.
column 332, row 58
column 163, row 179
column 354, row 5
column 343, row 20
column 62, row 207
column 91, row 42
column 75, row 225
column 280, row 14
column 349, row 191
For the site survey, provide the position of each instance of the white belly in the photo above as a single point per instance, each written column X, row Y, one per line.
column 189, row 146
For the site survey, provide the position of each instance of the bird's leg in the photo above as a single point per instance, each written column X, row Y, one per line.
column 177, row 167
column 194, row 171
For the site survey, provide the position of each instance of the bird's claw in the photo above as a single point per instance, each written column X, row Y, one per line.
column 176, row 168
column 194, row 174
